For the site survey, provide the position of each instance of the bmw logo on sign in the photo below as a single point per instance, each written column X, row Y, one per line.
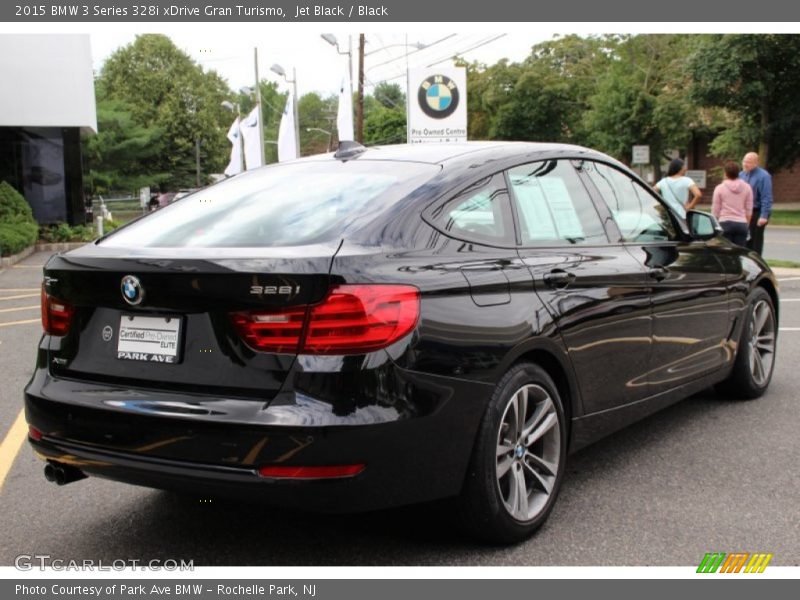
column 438, row 96
column 132, row 290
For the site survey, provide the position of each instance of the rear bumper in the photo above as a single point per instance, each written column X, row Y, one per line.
column 414, row 450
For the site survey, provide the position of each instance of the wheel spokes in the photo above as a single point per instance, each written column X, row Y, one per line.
column 760, row 316
column 546, row 484
column 550, row 421
column 528, row 452
column 504, row 465
column 531, row 461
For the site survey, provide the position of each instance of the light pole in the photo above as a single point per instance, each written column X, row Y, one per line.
column 331, row 39
column 328, row 133
column 237, row 110
column 257, row 91
column 279, row 70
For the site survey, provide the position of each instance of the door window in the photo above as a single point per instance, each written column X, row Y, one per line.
column 640, row 217
column 554, row 207
column 482, row 213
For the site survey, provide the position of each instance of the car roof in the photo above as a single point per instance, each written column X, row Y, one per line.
column 443, row 153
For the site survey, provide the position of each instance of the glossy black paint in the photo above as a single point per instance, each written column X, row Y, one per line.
column 623, row 329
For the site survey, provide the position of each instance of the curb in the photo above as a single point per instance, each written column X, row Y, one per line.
column 59, row 246
column 8, row 261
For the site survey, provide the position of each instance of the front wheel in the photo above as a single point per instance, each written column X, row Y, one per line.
column 755, row 356
column 518, row 460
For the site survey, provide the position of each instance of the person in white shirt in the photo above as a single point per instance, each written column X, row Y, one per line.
column 676, row 186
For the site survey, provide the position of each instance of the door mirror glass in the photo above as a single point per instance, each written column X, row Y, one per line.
column 702, row 226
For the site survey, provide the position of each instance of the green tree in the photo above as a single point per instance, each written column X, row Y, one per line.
column 120, row 155
column 390, row 95
column 642, row 98
column 167, row 90
column 385, row 115
column 316, row 112
column 544, row 97
column 384, row 125
column 754, row 78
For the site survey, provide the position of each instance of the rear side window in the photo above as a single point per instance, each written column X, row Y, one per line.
column 480, row 213
column 285, row 205
column 639, row 216
column 554, row 207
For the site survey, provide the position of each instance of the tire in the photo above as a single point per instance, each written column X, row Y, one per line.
column 755, row 355
column 491, row 506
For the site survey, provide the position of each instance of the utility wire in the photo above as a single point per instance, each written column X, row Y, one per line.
column 462, row 52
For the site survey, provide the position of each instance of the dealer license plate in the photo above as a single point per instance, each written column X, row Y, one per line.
column 150, row 339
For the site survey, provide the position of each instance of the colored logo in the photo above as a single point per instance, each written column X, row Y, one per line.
column 737, row 562
column 132, row 290
column 438, row 96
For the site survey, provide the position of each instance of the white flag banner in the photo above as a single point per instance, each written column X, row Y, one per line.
column 344, row 117
column 287, row 144
column 252, row 141
column 235, row 166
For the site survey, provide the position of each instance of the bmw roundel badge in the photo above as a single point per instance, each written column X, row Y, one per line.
column 438, row 96
column 132, row 290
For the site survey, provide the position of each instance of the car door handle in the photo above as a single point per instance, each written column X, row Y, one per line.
column 558, row 278
column 658, row 273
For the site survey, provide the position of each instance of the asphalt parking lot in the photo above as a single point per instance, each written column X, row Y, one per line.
column 704, row 475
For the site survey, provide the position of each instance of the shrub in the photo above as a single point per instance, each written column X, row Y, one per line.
column 12, row 204
column 18, row 230
column 61, row 232
column 16, row 236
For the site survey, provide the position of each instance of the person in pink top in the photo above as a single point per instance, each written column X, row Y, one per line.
column 732, row 204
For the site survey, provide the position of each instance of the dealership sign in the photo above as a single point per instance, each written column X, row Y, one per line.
column 437, row 105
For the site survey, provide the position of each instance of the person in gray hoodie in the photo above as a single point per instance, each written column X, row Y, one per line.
column 732, row 204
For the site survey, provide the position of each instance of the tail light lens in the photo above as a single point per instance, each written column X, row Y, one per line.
column 56, row 314
column 352, row 319
column 278, row 332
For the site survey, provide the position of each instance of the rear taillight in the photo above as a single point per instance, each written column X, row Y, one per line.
column 278, row 332
column 56, row 314
column 34, row 433
column 352, row 319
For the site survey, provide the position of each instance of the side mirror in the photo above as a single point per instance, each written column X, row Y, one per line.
column 702, row 226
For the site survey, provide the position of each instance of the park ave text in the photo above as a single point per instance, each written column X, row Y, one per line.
column 184, row 11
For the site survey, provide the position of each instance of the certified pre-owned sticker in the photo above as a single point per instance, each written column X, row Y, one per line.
column 108, row 333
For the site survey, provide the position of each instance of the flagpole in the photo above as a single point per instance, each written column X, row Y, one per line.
column 260, row 111
column 296, row 115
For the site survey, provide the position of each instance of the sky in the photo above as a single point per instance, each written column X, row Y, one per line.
column 318, row 66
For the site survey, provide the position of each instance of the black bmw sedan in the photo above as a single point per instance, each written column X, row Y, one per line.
column 392, row 325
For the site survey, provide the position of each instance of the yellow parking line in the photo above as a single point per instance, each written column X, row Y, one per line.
column 18, row 297
column 3, row 310
column 19, row 290
column 10, row 446
column 27, row 266
column 20, row 322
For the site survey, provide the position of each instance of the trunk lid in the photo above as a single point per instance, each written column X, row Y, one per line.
column 180, row 335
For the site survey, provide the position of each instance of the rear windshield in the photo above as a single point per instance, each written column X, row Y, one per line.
column 284, row 205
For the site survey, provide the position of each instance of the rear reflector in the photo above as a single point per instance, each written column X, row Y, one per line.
column 56, row 314
column 352, row 319
column 34, row 433
column 327, row 472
